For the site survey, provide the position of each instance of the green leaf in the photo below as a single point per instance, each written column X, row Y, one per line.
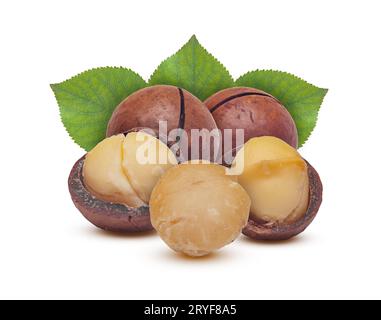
column 194, row 69
column 87, row 101
column 301, row 99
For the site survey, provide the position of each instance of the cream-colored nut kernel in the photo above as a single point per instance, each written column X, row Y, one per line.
column 103, row 173
column 276, row 179
column 278, row 189
column 105, row 168
column 262, row 148
column 197, row 208
column 145, row 159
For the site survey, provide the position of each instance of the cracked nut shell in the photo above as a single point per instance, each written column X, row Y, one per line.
column 105, row 215
column 260, row 230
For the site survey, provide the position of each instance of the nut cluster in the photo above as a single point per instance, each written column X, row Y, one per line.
column 131, row 181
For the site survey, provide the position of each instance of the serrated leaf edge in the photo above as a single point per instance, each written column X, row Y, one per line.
column 298, row 78
column 94, row 69
column 54, row 85
column 192, row 38
column 278, row 71
column 317, row 115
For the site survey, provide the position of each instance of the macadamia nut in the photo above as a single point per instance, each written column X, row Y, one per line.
column 256, row 112
column 196, row 208
column 145, row 159
column 276, row 179
column 175, row 108
column 124, row 169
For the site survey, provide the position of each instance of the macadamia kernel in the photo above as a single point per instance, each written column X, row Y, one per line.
column 276, row 179
column 124, row 169
column 196, row 208
column 145, row 159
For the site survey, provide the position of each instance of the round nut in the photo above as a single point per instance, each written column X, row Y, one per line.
column 179, row 108
column 255, row 111
column 196, row 208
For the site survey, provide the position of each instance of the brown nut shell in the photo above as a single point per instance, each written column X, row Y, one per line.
column 255, row 111
column 148, row 106
column 275, row 231
column 106, row 215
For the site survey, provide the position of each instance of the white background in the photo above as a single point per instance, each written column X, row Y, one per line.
column 48, row 250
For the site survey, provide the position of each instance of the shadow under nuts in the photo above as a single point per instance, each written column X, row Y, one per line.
column 196, row 208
